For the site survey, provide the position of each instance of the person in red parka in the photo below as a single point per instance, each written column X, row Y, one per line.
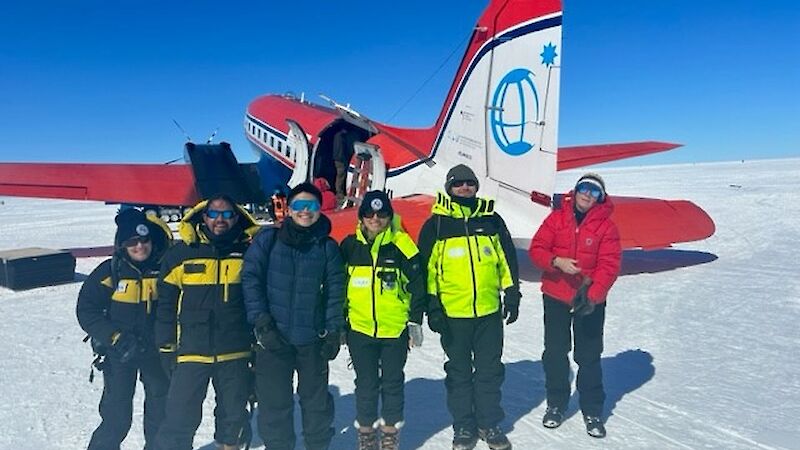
column 578, row 250
column 328, row 197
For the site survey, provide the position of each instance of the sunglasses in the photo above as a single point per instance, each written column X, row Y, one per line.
column 380, row 214
column 459, row 183
column 588, row 188
column 227, row 214
column 134, row 241
column 304, row 205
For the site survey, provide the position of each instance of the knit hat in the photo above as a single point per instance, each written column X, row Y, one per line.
column 305, row 187
column 596, row 180
column 131, row 223
column 375, row 201
column 460, row 172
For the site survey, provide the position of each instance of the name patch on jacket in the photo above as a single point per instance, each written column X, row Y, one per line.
column 194, row 268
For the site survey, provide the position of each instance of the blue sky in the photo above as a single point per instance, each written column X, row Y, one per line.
column 102, row 81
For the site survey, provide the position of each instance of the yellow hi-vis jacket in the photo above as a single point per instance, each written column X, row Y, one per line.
column 385, row 284
column 469, row 257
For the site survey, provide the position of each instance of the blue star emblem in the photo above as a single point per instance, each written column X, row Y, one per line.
column 548, row 54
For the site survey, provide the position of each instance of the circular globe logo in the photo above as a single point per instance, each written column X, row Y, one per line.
column 514, row 99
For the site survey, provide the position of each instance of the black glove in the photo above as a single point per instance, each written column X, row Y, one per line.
column 581, row 306
column 437, row 320
column 331, row 344
column 511, row 305
column 267, row 335
column 127, row 347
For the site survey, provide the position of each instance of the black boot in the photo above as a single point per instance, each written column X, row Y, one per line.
column 594, row 426
column 495, row 438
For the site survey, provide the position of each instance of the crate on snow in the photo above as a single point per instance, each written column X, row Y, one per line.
column 27, row 268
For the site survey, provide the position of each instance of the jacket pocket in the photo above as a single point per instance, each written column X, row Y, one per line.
column 194, row 332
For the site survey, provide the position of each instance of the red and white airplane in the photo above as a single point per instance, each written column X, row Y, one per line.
column 500, row 118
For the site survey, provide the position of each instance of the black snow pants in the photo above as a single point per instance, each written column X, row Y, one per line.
column 232, row 382
column 116, row 405
column 379, row 367
column 475, row 371
column 275, row 392
column 587, row 332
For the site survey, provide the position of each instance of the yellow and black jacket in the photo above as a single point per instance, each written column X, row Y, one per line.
column 200, row 313
column 120, row 296
column 469, row 256
column 385, row 282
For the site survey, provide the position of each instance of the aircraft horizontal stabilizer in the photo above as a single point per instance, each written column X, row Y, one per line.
column 153, row 184
column 587, row 155
column 650, row 223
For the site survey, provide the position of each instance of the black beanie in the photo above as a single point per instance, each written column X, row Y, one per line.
column 596, row 180
column 460, row 172
column 131, row 223
column 305, row 187
column 375, row 201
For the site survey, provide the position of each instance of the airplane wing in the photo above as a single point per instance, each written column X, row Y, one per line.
column 586, row 155
column 650, row 223
column 158, row 184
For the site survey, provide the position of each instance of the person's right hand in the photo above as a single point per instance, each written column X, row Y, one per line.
column 566, row 265
column 127, row 347
column 267, row 335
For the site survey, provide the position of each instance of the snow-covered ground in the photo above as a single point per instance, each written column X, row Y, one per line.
column 701, row 340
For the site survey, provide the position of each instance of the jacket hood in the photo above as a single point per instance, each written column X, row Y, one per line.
column 160, row 236
column 446, row 206
column 190, row 231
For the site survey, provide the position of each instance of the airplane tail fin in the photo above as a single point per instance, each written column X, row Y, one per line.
column 501, row 113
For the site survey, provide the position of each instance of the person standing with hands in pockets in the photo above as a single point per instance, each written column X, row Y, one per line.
column 577, row 247
column 386, row 298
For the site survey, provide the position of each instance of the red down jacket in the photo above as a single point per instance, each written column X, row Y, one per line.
column 594, row 244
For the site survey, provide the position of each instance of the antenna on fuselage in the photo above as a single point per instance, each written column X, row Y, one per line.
column 185, row 134
column 211, row 138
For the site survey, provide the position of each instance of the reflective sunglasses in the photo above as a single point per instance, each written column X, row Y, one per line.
column 134, row 241
column 227, row 214
column 304, row 205
column 380, row 214
column 459, row 183
column 589, row 188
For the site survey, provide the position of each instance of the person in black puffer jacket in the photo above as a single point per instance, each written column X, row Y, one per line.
column 116, row 308
column 294, row 284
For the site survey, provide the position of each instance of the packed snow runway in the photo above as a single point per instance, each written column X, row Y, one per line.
column 700, row 340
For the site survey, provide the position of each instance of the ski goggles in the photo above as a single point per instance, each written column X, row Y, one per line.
column 459, row 183
column 227, row 214
column 588, row 188
column 134, row 241
column 304, row 205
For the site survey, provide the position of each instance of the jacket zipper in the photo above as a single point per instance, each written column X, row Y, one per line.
column 225, row 285
column 472, row 270
column 374, row 277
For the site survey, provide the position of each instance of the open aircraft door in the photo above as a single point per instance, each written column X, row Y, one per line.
column 302, row 160
column 369, row 173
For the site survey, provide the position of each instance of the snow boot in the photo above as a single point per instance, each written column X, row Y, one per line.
column 495, row 438
column 553, row 417
column 464, row 439
column 390, row 440
column 368, row 440
column 594, row 426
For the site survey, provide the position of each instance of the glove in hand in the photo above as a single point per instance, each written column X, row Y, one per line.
column 127, row 347
column 511, row 305
column 331, row 344
column 581, row 306
column 415, row 336
column 267, row 335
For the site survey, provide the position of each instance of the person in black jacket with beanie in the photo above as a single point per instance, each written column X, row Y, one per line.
column 116, row 308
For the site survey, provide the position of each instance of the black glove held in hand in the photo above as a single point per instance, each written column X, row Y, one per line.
column 581, row 306
column 331, row 344
column 267, row 335
column 127, row 347
column 511, row 305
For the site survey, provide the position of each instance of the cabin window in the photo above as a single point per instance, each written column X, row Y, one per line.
column 280, row 146
column 271, row 141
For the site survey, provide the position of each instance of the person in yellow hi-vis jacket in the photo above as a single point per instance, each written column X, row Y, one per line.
column 201, row 321
column 116, row 308
column 386, row 298
column 470, row 260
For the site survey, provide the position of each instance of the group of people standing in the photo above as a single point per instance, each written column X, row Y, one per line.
column 248, row 307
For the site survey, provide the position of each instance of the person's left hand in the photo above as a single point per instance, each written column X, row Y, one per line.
column 415, row 336
column 511, row 305
column 331, row 344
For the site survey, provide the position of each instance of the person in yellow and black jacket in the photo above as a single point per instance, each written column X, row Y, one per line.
column 470, row 259
column 386, row 299
column 201, row 320
column 116, row 307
